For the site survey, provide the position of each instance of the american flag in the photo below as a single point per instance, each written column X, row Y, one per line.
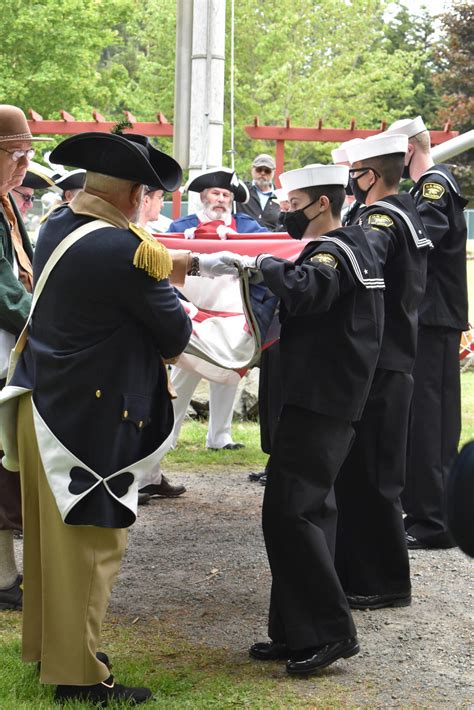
column 233, row 320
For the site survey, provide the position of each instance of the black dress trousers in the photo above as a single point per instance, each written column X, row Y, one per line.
column 308, row 606
column 434, row 433
column 371, row 551
column 269, row 395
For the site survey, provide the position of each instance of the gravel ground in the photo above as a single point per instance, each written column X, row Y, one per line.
column 198, row 563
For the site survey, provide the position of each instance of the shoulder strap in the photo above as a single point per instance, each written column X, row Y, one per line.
column 420, row 243
column 55, row 256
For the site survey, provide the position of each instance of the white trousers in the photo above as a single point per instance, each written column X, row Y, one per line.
column 221, row 407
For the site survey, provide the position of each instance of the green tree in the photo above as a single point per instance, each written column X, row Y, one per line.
column 50, row 52
column 320, row 59
column 455, row 80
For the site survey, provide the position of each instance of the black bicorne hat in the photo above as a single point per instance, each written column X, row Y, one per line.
column 224, row 178
column 73, row 180
column 127, row 156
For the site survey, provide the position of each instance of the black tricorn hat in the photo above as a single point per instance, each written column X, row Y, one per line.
column 74, row 180
column 126, row 156
column 225, row 178
column 38, row 177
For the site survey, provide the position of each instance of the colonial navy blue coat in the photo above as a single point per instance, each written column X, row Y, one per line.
column 94, row 357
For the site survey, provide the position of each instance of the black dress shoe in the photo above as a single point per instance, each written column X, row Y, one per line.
column 263, row 480
column 12, row 597
column 143, row 498
column 228, row 447
column 413, row 543
column 254, row 476
column 269, row 651
column 306, row 662
column 102, row 693
column 163, row 489
column 378, row 601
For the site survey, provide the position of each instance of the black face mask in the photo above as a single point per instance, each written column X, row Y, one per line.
column 360, row 194
column 349, row 190
column 406, row 170
column 296, row 223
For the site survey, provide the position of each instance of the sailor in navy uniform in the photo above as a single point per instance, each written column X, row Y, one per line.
column 352, row 209
column 371, row 552
column 443, row 315
column 331, row 313
column 94, row 407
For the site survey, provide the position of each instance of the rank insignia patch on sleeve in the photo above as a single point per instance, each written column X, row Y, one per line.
column 327, row 259
column 380, row 220
column 433, row 191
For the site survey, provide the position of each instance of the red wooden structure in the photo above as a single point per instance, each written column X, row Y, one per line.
column 280, row 134
column 69, row 126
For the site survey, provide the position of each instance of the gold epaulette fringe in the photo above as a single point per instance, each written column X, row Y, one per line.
column 151, row 256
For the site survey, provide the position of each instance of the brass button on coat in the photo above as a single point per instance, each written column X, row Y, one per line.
column 125, row 413
column 98, row 394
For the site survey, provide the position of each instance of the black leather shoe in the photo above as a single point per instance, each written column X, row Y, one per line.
column 263, row 480
column 143, row 498
column 321, row 657
column 12, row 597
column 164, row 489
column 378, row 601
column 254, row 476
column 269, row 651
column 229, row 447
column 102, row 693
column 413, row 543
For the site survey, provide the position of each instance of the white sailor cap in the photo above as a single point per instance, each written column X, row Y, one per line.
column 409, row 126
column 339, row 155
column 377, row 145
column 314, row 175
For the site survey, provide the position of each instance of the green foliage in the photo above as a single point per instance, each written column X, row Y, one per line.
column 332, row 60
column 455, row 81
column 50, row 52
column 325, row 59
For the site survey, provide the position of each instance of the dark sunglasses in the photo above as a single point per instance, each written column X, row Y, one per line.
column 25, row 197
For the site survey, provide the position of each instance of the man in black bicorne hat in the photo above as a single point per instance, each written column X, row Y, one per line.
column 94, row 407
column 218, row 188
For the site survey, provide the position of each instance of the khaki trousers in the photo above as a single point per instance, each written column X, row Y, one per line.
column 69, row 571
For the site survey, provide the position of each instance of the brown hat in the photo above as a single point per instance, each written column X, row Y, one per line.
column 14, row 126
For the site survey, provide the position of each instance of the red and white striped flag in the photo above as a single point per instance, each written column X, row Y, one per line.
column 226, row 332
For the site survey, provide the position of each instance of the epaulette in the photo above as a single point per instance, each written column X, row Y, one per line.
column 151, row 256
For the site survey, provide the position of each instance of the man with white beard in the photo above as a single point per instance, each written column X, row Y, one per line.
column 218, row 188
